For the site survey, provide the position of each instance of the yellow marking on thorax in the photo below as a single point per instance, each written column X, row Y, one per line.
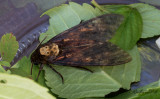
column 49, row 50
column 45, row 51
column 65, row 40
column 89, row 59
column 55, row 49
column 68, row 55
column 86, row 29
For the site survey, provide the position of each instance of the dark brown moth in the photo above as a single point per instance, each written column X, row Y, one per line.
column 86, row 44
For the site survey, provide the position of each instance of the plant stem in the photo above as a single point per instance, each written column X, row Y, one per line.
column 98, row 6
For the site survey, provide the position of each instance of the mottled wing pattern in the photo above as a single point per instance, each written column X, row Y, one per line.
column 87, row 44
column 99, row 54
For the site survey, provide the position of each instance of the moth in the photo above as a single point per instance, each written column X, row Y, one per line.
column 86, row 44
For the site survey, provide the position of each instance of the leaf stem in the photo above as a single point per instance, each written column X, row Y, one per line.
column 98, row 6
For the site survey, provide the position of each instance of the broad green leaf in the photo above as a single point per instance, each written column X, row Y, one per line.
column 24, row 69
column 79, row 83
column 5, row 63
column 16, row 87
column 151, row 91
column 130, row 30
column 8, row 47
column 151, row 19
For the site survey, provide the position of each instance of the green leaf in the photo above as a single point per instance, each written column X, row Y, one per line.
column 8, row 47
column 79, row 83
column 151, row 19
column 16, row 87
column 130, row 30
column 151, row 91
column 5, row 63
column 23, row 68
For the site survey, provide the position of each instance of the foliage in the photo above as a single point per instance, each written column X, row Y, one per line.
column 141, row 21
column 23, row 68
column 8, row 47
column 16, row 87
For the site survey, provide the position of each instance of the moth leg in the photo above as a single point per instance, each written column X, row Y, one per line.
column 57, row 73
column 79, row 67
column 31, row 68
column 40, row 69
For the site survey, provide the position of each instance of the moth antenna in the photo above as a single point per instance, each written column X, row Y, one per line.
column 42, row 41
column 40, row 69
column 31, row 68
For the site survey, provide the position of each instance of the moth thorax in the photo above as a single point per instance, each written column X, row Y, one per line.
column 50, row 50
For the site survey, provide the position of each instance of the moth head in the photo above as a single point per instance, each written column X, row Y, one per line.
column 35, row 58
